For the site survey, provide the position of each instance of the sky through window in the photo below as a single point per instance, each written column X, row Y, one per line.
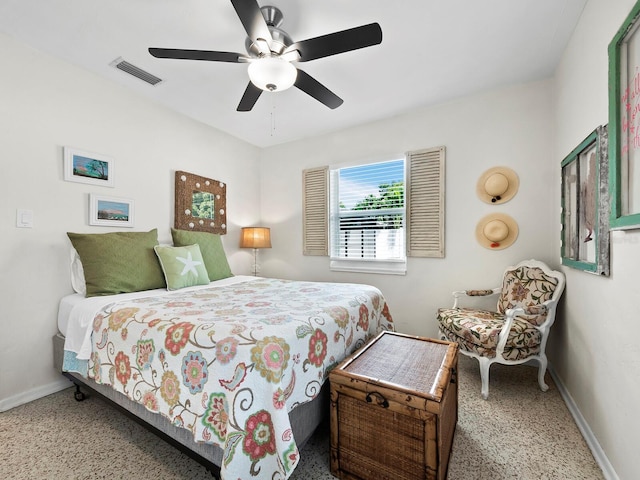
column 356, row 183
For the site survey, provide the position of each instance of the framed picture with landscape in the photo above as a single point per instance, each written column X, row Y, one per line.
column 110, row 211
column 200, row 203
column 88, row 167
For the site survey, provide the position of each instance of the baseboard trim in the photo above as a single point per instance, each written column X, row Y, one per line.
column 593, row 444
column 33, row 394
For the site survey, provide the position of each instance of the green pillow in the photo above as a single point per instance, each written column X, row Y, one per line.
column 118, row 262
column 215, row 260
column 182, row 266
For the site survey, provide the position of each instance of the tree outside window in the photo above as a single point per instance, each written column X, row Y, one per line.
column 369, row 222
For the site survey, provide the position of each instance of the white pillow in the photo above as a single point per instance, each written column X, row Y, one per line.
column 77, row 273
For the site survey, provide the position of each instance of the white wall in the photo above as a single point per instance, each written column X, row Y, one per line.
column 508, row 127
column 594, row 349
column 44, row 105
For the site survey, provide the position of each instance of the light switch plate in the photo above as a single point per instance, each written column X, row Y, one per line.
column 24, row 218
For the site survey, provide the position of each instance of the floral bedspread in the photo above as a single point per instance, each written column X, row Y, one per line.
column 229, row 363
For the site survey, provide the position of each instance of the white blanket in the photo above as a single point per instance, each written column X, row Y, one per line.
column 76, row 313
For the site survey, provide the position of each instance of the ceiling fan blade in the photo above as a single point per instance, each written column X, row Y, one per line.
column 338, row 42
column 311, row 86
column 198, row 55
column 249, row 99
column 252, row 19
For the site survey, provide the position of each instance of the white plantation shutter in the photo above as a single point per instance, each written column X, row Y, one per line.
column 425, row 202
column 424, row 212
column 315, row 191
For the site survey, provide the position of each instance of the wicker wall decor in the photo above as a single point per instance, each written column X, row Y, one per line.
column 201, row 204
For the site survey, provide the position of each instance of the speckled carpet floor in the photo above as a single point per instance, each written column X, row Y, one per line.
column 519, row 433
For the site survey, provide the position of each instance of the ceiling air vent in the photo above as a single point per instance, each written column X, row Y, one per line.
column 125, row 66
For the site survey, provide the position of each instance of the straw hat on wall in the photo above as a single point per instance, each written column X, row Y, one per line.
column 497, row 185
column 496, row 231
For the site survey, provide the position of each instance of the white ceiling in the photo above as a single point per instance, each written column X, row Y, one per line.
column 432, row 51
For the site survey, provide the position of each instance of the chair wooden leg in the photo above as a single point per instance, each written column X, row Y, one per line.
column 485, row 364
column 542, row 369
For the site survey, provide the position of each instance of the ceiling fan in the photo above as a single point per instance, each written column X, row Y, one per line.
column 271, row 53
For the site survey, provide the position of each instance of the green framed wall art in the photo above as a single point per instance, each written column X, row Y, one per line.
column 585, row 205
column 624, row 123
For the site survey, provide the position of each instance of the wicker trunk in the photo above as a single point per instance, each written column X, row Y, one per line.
column 394, row 409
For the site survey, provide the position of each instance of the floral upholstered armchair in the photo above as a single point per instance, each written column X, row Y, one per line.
column 517, row 332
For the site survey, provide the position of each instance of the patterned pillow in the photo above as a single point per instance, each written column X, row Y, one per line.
column 182, row 266
column 215, row 260
column 118, row 262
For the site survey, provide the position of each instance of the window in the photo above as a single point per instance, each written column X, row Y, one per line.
column 367, row 215
column 378, row 213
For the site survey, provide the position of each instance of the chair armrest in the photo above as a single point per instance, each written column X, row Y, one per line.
column 480, row 293
column 473, row 293
column 511, row 314
column 504, row 331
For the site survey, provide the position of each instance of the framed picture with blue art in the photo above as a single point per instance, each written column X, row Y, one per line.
column 88, row 167
column 110, row 211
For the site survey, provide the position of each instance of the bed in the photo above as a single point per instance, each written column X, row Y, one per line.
column 230, row 371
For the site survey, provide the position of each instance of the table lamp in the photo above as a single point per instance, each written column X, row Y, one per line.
column 255, row 237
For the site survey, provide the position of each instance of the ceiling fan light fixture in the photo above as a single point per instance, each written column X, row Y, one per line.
column 271, row 53
column 272, row 74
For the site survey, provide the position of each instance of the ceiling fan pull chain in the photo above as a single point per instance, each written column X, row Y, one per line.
column 273, row 115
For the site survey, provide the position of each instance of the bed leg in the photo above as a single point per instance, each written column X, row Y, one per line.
column 78, row 395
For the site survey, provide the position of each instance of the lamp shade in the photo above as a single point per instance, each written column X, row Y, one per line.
column 272, row 74
column 255, row 237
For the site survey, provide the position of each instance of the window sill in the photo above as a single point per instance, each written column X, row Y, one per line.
column 385, row 267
